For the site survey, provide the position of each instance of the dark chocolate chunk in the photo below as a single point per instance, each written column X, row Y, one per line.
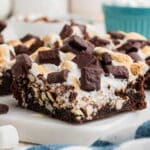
column 2, row 25
column 117, row 71
column 97, row 41
column 148, row 60
column 116, row 35
column 132, row 46
column 3, row 108
column 29, row 37
column 22, row 66
column 135, row 56
column 85, row 59
column 38, row 43
column 21, row 49
column 66, row 31
column 57, row 77
column 106, row 59
column 49, row 56
column 90, row 78
column 75, row 44
column 1, row 39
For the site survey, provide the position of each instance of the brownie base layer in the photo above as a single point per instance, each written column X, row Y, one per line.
column 5, row 83
column 135, row 93
column 147, row 80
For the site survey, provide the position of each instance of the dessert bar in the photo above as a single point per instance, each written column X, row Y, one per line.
column 78, row 82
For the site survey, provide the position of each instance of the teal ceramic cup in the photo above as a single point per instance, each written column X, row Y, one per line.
column 128, row 19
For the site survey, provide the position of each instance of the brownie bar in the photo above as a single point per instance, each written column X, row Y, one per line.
column 44, row 102
column 85, row 85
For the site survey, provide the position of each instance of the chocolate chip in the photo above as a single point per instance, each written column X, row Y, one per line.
column 2, row 25
column 117, row 71
column 135, row 56
column 49, row 56
column 85, row 59
column 116, row 35
column 90, row 78
column 66, row 31
column 3, row 108
column 28, row 37
column 22, row 66
column 38, row 43
column 75, row 44
column 132, row 46
column 1, row 39
column 21, row 49
column 57, row 77
column 148, row 60
column 97, row 41
column 106, row 59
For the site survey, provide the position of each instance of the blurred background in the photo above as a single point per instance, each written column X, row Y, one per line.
column 51, row 8
column 105, row 15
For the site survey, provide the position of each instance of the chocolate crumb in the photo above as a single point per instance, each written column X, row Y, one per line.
column 22, row 66
column 49, row 56
column 85, row 59
column 66, row 31
column 117, row 71
column 21, row 49
column 116, row 35
column 97, row 41
column 57, row 77
column 75, row 44
column 29, row 37
column 38, row 43
column 132, row 46
column 106, row 59
column 90, row 78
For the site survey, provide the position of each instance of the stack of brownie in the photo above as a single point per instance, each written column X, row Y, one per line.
column 83, row 78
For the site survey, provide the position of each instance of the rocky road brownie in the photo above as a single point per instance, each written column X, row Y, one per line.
column 77, row 82
column 134, row 45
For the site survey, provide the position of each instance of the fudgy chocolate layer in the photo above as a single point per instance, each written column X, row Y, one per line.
column 5, row 83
